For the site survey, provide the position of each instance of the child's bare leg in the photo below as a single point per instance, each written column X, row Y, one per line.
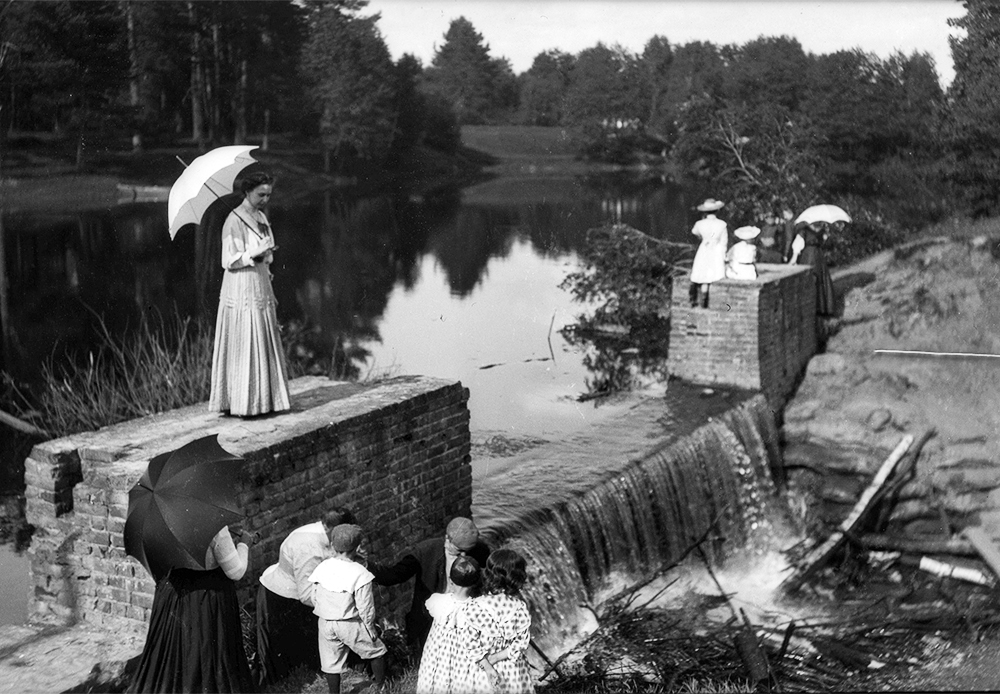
column 378, row 669
column 333, row 682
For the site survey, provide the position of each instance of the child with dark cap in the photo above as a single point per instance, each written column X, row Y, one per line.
column 345, row 605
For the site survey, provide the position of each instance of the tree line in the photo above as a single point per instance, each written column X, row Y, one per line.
column 773, row 124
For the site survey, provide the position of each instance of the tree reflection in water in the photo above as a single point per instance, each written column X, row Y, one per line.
column 620, row 362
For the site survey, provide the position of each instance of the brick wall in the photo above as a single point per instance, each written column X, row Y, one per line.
column 396, row 452
column 755, row 334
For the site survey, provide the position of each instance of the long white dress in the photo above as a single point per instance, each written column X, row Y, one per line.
column 710, row 259
column 249, row 375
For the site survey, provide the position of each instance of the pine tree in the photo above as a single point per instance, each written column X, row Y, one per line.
column 478, row 86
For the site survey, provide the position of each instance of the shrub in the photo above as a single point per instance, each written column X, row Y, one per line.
column 628, row 275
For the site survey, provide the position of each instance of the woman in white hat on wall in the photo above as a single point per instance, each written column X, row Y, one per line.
column 710, row 259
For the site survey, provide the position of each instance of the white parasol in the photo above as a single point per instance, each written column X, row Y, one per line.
column 204, row 181
column 823, row 213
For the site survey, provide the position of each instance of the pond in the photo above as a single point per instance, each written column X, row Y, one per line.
column 463, row 285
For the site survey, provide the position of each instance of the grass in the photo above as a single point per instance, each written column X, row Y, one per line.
column 158, row 368
column 519, row 141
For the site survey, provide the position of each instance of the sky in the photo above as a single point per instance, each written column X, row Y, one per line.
column 521, row 29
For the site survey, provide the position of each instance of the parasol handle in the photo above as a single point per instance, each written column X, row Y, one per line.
column 181, row 160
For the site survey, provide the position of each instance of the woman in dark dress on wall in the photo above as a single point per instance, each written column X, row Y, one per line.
column 195, row 639
column 807, row 249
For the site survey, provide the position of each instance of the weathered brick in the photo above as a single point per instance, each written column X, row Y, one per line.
column 375, row 456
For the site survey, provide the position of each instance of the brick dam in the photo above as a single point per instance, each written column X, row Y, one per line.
column 628, row 495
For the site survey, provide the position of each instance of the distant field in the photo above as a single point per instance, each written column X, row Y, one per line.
column 518, row 141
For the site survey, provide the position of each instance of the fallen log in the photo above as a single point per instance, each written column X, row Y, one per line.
column 962, row 573
column 945, row 570
column 917, row 545
column 817, row 557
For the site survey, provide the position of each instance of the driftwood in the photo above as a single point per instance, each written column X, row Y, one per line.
column 917, row 545
column 625, row 597
column 963, row 573
column 818, row 557
column 22, row 426
column 887, row 497
column 746, row 642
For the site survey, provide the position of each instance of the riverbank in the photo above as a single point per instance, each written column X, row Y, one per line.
column 41, row 175
column 934, row 295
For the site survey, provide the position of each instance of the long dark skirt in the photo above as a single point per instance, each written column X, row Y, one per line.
column 195, row 641
column 826, row 300
column 287, row 636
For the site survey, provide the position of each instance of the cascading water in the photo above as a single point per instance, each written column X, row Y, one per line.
column 644, row 516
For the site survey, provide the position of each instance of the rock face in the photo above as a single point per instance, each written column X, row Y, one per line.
column 855, row 404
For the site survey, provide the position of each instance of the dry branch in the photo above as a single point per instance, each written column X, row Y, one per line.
column 22, row 426
column 821, row 554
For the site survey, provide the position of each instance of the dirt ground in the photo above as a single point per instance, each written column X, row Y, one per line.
column 935, row 297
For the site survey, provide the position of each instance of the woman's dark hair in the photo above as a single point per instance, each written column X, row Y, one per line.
column 466, row 573
column 337, row 516
column 506, row 572
column 254, row 179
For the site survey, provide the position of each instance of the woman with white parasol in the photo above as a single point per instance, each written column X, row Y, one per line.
column 249, row 375
column 811, row 233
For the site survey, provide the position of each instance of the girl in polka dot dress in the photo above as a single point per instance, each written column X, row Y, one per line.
column 497, row 627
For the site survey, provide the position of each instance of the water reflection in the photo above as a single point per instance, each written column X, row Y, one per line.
column 464, row 285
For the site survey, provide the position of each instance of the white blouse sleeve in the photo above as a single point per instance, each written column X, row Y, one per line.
column 237, row 250
column 232, row 558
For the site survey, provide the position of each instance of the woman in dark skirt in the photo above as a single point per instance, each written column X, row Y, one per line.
column 195, row 639
column 807, row 249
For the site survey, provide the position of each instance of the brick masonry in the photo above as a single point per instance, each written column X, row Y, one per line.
column 396, row 452
column 754, row 334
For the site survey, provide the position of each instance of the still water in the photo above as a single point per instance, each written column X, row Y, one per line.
column 461, row 285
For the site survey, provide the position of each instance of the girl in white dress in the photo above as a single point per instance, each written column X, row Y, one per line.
column 445, row 667
column 249, row 375
column 741, row 259
column 710, row 259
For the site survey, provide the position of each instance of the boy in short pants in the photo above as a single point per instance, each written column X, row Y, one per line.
column 345, row 606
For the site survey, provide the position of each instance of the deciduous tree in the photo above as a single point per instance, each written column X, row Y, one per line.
column 974, row 124
column 543, row 88
column 350, row 74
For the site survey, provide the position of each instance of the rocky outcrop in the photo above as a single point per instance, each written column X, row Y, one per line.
column 937, row 300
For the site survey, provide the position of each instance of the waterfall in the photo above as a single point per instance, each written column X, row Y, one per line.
column 645, row 515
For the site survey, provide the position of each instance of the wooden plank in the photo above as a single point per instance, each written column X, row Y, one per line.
column 985, row 546
column 821, row 554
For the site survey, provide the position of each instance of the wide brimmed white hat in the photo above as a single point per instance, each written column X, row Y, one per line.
column 747, row 233
column 710, row 205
